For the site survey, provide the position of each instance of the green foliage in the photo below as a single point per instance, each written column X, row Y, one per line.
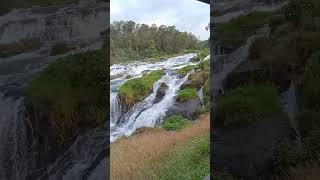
column 189, row 162
column 72, row 92
column 243, row 105
column 308, row 120
column 292, row 154
column 201, row 55
column 131, row 41
column 137, row 89
column 174, row 123
column 187, row 94
column 234, row 32
column 184, row 71
column 311, row 86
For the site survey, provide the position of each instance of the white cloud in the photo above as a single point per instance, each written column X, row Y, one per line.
column 187, row 15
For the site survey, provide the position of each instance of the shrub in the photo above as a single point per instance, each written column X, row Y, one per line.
column 187, row 94
column 174, row 123
column 246, row 104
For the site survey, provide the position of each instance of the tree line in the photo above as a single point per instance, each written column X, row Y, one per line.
column 131, row 41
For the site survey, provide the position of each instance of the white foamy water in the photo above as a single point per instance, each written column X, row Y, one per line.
column 146, row 113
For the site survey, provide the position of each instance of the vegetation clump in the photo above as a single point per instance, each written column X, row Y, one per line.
column 68, row 96
column 246, row 104
column 174, row 123
column 184, row 71
column 187, row 94
column 189, row 162
column 135, row 90
column 59, row 48
column 233, row 33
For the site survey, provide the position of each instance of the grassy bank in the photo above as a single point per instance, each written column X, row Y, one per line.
column 234, row 32
column 187, row 94
column 137, row 89
column 161, row 154
column 69, row 96
column 243, row 105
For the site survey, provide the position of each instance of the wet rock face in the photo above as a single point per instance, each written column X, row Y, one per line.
column 185, row 109
column 54, row 23
column 161, row 92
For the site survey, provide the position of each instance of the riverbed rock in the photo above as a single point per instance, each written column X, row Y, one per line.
column 161, row 92
column 185, row 109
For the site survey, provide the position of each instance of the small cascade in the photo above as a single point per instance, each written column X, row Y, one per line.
column 290, row 106
column 200, row 95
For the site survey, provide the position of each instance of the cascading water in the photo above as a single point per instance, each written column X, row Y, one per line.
column 146, row 113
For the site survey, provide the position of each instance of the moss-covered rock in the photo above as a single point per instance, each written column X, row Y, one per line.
column 186, row 94
column 135, row 90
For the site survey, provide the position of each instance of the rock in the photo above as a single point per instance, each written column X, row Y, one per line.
column 185, row 109
column 161, row 92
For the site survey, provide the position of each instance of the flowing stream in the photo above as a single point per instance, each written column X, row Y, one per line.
column 146, row 113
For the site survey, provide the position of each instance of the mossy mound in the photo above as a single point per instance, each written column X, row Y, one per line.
column 187, row 94
column 135, row 90
column 69, row 96
column 243, row 105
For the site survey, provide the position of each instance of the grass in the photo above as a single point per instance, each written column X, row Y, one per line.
column 192, row 161
column 201, row 55
column 234, row 32
column 137, row 89
column 174, row 123
column 246, row 104
column 311, row 79
column 184, row 71
column 187, row 94
column 70, row 95
column 293, row 154
column 147, row 155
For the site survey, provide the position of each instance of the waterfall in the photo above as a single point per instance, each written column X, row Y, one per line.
column 145, row 113
column 200, row 95
column 290, row 106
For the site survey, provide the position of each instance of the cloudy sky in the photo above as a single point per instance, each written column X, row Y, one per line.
column 187, row 15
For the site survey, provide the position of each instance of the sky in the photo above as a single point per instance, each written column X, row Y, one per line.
column 187, row 15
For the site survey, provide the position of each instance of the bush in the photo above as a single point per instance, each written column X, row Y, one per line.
column 187, row 94
column 174, row 123
column 246, row 104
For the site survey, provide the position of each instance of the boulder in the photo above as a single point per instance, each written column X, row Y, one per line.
column 185, row 109
column 161, row 92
